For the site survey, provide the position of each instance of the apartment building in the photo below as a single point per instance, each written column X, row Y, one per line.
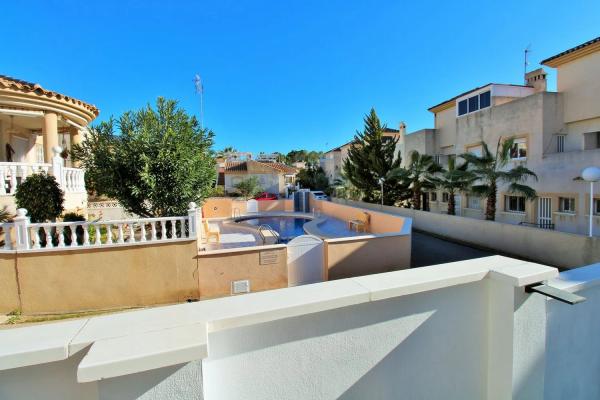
column 333, row 160
column 557, row 134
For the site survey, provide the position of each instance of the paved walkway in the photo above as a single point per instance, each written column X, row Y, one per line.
column 430, row 250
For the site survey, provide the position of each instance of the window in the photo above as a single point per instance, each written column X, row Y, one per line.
column 596, row 206
column 462, row 107
column 433, row 196
column 591, row 140
column 566, row 205
column 485, row 99
column 519, row 149
column 474, row 202
column 473, row 103
column 445, row 197
column 514, row 204
column 560, row 143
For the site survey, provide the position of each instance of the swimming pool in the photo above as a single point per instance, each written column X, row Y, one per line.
column 287, row 227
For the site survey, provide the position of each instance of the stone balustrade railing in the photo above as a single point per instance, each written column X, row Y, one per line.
column 13, row 173
column 71, row 180
column 24, row 235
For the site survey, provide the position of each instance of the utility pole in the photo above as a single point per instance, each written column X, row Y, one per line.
column 200, row 91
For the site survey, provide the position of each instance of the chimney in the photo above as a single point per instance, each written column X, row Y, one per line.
column 402, row 128
column 537, row 79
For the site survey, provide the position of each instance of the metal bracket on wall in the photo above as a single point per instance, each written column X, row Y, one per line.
column 554, row 293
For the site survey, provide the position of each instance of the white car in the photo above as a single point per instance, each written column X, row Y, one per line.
column 318, row 195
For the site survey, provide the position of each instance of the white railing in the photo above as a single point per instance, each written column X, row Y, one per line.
column 73, row 180
column 13, row 173
column 23, row 235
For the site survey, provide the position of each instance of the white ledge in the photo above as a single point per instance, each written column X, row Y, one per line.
column 136, row 341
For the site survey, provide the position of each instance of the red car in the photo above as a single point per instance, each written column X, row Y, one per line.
column 266, row 196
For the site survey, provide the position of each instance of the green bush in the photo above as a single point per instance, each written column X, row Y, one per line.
column 41, row 195
column 73, row 217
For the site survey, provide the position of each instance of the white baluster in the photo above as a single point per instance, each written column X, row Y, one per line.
column 143, row 232
column 24, row 172
column 182, row 228
column 153, row 230
column 120, row 237
column 74, row 235
column 98, row 240
column 36, row 238
column 86, row 235
column 173, row 230
column 13, row 179
column 61, row 237
column 163, row 230
column 48, row 232
column 109, row 239
column 2, row 180
column 7, row 238
column 131, row 234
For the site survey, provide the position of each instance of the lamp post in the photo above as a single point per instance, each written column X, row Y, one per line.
column 381, row 181
column 591, row 175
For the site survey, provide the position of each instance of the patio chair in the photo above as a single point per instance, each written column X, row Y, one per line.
column 211, row 232
column 360, row 222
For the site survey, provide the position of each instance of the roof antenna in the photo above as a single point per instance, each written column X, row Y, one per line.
column 526, row 62
column 200, row 91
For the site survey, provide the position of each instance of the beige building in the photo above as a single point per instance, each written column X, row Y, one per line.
column 333, row 160
column 36, row 124
column 273, row 177
column 557, row 135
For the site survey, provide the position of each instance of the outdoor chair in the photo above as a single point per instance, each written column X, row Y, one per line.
column 214, row 232
column 360, row 222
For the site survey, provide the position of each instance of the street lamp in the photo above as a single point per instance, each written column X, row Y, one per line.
column 591, row 175
column 381, row 181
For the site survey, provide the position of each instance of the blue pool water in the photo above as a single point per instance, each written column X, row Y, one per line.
column 287, row 227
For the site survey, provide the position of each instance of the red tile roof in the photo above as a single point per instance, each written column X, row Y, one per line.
column 257, row 167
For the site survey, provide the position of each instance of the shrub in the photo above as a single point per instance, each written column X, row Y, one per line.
column 41, row 195
column 73, row 217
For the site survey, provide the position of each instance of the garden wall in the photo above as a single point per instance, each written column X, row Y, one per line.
column 265, row 267
column 554, row 248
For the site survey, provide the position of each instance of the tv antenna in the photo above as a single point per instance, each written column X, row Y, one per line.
column 200, row 90
column 526, row 62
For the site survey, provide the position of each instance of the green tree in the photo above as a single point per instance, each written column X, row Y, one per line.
column 159, row 163
column 249, row 187
column 372, row 157
column 313, row 177
column 453, row 180
column 418, row 175
column 490, row 170
column 41, row 196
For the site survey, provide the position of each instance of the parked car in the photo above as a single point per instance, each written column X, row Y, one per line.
column 266, row 196
column 319, row 195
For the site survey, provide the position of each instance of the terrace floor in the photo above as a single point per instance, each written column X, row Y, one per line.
column 431, row 250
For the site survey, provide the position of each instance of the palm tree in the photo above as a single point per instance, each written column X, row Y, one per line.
column 419, row 175
column 456, row 178
column 490, row 172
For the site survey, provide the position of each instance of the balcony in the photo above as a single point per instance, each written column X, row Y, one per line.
column 71, row 180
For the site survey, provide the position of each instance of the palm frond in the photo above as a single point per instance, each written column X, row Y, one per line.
column 522, row 190
column 480, row 190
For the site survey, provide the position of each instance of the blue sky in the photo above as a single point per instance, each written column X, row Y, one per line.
column 284, row 75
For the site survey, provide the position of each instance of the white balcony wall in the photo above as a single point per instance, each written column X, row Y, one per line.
column 464, row 330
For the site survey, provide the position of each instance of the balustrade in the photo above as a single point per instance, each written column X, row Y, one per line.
column 23, row 235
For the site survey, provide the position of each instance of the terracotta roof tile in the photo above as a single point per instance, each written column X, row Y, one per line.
column 27, row 87
column 257, row 167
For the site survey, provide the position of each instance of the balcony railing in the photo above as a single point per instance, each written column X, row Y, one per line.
column 24, row 235
column 12, row 174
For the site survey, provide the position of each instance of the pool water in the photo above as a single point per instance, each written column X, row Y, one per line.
column 287, row 227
